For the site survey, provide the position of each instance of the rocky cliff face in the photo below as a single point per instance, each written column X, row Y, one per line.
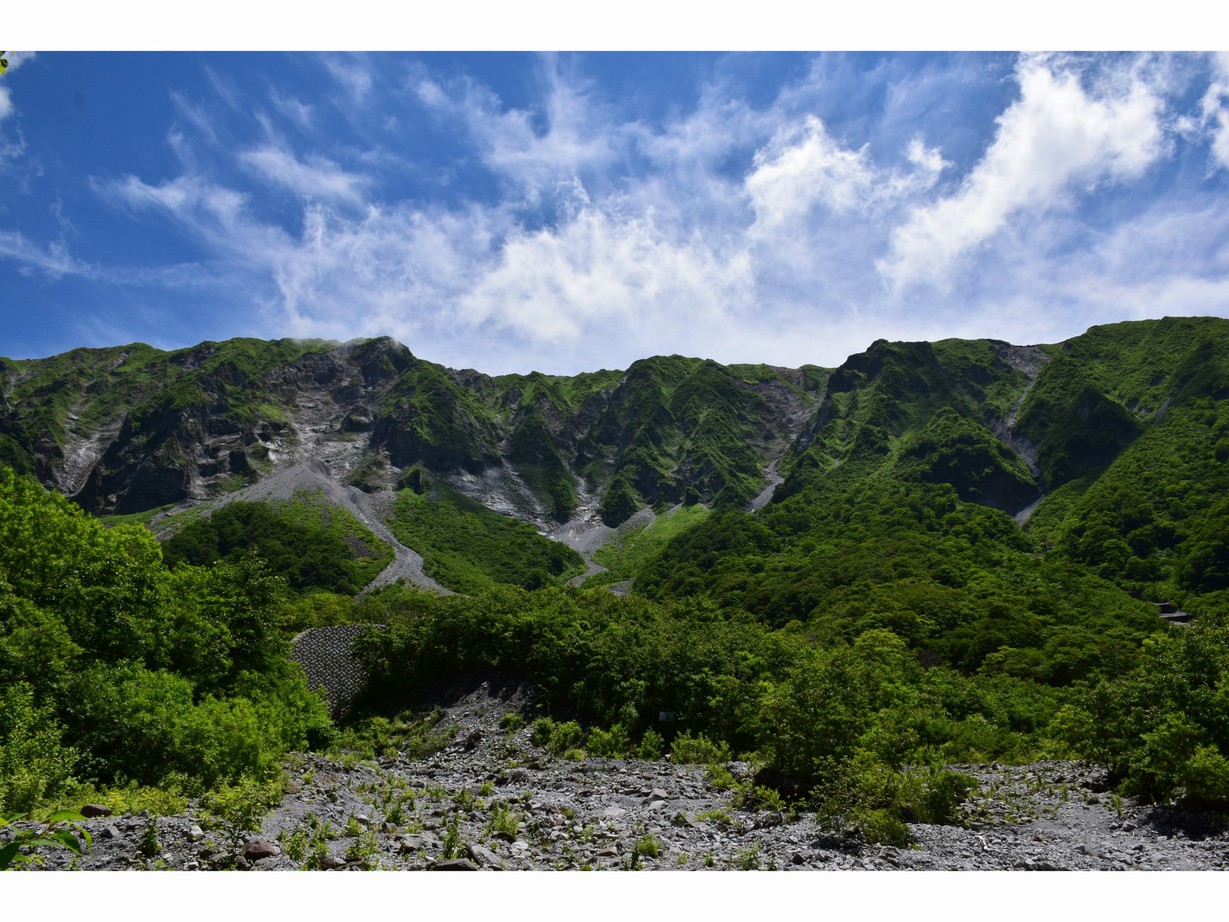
column 129, row 429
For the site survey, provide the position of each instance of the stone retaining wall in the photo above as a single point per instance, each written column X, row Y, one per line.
column 327, row 657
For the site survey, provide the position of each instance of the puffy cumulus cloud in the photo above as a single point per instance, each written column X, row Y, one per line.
column 793, row 175
column 1059, row 135
column 605, row 274
column 318, row 178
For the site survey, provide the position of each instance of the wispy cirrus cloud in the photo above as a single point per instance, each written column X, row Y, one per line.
column 319, row 177
column 788, row 226
column 52, row 259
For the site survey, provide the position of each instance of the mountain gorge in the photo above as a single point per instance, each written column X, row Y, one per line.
column 936, row 553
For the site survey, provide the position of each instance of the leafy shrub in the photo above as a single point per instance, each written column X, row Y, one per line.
column 1161, row 728
column 652, row 746
column 34, row 764
column 558, row 737
column 613, row 743
column 697, row 750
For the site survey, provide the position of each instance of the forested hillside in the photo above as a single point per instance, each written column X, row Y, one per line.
column 937, row 553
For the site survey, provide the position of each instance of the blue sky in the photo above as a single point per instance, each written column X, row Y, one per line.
column 567, row 212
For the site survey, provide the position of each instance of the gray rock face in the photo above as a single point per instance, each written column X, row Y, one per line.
column 505, row 805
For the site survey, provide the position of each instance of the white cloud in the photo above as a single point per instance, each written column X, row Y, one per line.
column 571, row 135
column 356, row 80
column 299, row 112
column 1215, row 111
column 1055, row 138
column 601, row 271
column 794, row 175
column 15, row 59
column 319, row 178
column 53, row 259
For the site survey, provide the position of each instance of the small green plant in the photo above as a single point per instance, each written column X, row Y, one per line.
column 748, row 859
column 613, row 743
column 239, row 807
column 58, row 831
column 353, row 827
column 719, row 816
column 558, row 738
column 363, row 850
column 649, row 846
column 295, row 843
column 149, row 846
column 504, row 822
column 512, row 721
column 452, row 838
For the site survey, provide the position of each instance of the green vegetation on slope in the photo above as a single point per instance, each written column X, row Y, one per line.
column 467, row 547
column 627, row 554
column 114, row 667
column 307, row 541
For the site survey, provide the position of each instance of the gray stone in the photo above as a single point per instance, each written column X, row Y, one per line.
column 454, row 864
column 484, row 857
column 90, row 811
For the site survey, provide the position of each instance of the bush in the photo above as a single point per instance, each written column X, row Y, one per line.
column 697, row 750
column 652, row 746
column 558, row 738
column 1161, row 729
column 612, row 744
column 34, row 764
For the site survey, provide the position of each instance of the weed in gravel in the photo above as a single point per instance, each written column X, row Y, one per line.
column 512, row 721
column 504, row 822
column 453, row 847
column 747, row 859
column 649, row 846
column 362, row 851
column 295, row 843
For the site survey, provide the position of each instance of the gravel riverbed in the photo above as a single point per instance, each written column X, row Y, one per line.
column 491, row 800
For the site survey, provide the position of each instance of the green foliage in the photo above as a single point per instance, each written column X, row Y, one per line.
column 652, row 746
column 407, row 734
column 614, row 743
column 164, row 678
column 240, row 807
column 626, row 555
column 35, row 765
column 697, row 750
column 1161, row 728
column 467, row 547
column 311, row 545
column 959, row 451
column 557, row 737
column 60, row 830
